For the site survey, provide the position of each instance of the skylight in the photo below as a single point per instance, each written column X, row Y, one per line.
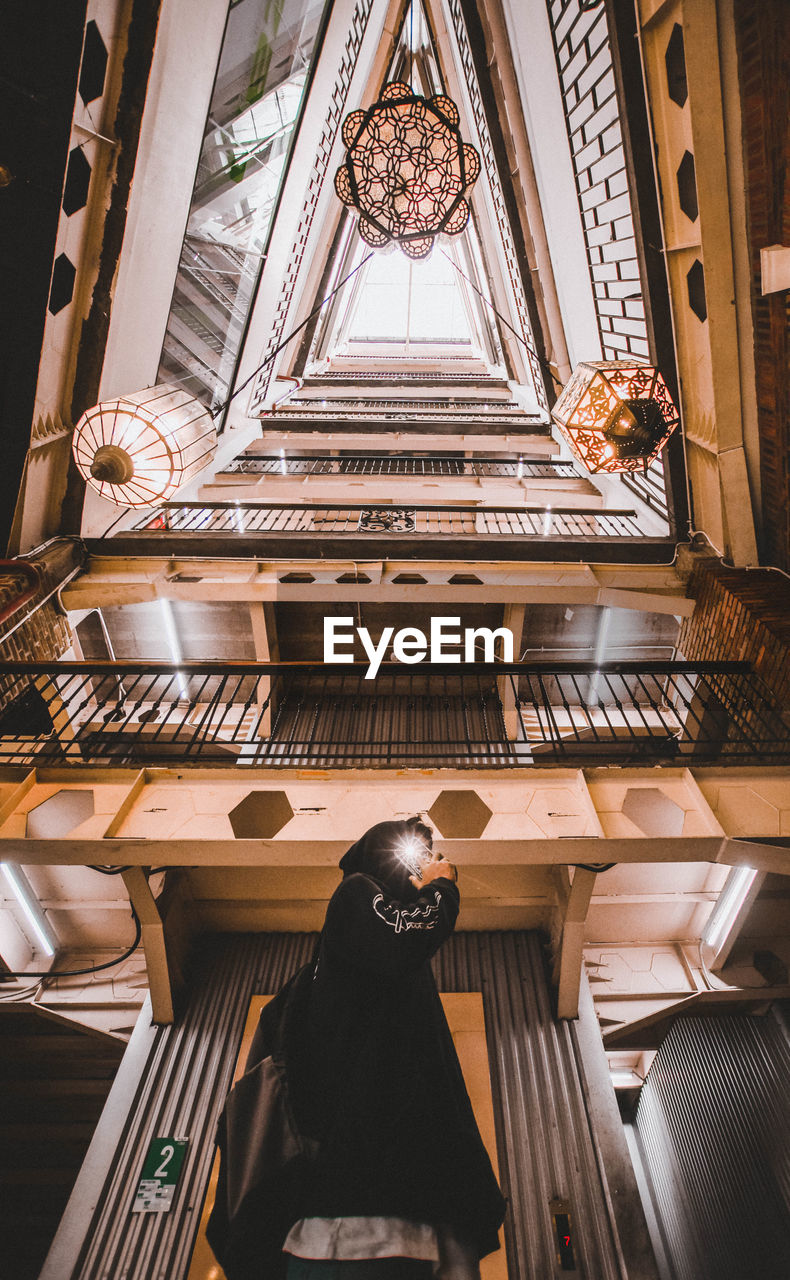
column 409, row 303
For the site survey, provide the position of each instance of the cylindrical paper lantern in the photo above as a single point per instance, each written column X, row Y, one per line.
column 140, row 449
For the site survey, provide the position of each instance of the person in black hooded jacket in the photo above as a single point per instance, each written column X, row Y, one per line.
column 401, row 1184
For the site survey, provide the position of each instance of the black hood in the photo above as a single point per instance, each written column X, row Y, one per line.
column 375, row 854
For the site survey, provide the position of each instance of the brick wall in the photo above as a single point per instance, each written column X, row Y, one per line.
column 763, row 36
column 741, row 615
column 45, row 635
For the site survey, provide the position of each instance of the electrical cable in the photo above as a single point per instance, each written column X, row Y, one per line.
column 110, row 527
column 95, row 968
column 518, row 336
column 751, row 568
column 26, row 993
column 222, row 407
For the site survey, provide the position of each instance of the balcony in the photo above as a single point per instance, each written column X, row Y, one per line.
column 396, row 464
column 301, row 714
column 320, row 530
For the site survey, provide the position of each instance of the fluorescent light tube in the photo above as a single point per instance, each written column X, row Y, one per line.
column 30, row 905
column 728, row 907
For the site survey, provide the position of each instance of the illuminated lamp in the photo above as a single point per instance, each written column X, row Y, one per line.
column 616, row 415
column 407, row 170
column 138, row 450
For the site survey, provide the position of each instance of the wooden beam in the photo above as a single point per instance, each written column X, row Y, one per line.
column 129, row 580
column 570, row 957
column 267, row 649
column 153, row 937
column 508, row 685
column 126, row 806
column 286, row 852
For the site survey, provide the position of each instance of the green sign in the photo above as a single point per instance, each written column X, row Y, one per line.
column 160, row 1175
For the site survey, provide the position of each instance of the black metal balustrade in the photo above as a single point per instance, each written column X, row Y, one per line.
column 441, row 715
column 399, row 465
column 334, row 519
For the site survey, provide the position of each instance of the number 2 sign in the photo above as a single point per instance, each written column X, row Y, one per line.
column 158, row 1180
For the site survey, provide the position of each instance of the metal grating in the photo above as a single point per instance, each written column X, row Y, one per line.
column 391, row 464
column 714, row 1129
column 544, row 1138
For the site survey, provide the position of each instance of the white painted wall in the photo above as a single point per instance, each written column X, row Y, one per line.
column 177, row 101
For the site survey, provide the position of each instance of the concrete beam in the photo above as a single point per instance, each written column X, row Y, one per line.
column 113, row 581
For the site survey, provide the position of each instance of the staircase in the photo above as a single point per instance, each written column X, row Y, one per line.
column 54, row 1079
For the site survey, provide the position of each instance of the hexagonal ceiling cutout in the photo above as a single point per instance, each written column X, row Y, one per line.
column 653, row 812
column 78, row 179
column 675, row 58
column 260, row 815
column 62, row 288
column 459, row 815
column 687, row 186
column 94, row 64
column 695, row 280
column 59, row 815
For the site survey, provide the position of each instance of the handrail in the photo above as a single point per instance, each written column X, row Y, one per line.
column 223, row 504
column 574, row 666
column 288, row 714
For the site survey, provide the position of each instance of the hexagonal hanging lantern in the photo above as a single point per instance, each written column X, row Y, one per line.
column 616, row 415
column 139, row 449
column 407, row 170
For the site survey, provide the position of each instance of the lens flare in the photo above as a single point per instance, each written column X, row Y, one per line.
column 412, row 853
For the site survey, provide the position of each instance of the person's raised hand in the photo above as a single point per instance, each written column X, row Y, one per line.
column 437, row 868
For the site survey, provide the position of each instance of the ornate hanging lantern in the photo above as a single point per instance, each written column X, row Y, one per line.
column 140, row 449
column 616, row 415
column 407, row 171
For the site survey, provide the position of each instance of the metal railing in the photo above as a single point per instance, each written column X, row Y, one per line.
column 650, row 487
column 338, row 519
column 440, row 715
column 399, row 465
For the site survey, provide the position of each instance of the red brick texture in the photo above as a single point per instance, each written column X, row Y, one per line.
column 763, row 38
column 741, row 615
column 44, row 635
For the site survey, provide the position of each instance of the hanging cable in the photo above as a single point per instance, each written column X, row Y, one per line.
column 94, row 968
column 222, row 407
column 544, row 364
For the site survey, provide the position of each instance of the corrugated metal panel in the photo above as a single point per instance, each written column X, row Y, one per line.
column 545, row 1144
column 544, row 1139
column 188, row 1077
column 714, row 1126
